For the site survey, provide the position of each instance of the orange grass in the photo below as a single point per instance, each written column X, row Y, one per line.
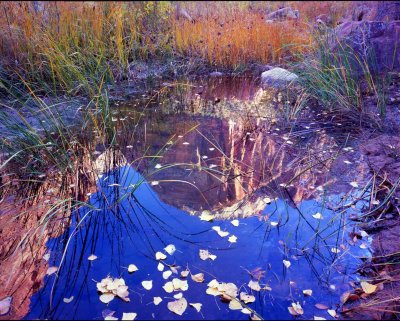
column 69, row 42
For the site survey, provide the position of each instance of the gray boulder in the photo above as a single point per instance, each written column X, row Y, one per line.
column 278, row 78
column 283, row 14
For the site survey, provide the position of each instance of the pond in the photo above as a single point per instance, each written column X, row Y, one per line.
column 270, row 205
column 131, row 223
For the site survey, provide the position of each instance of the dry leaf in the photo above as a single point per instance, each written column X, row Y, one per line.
column 160, row 267
column 332, row 313
column 166, row 274
column 246, row 311
column 246, row 298
column 168, row 287
column 317, row 216
column 92, row 257
column 206, row 216
column 286, row 263
column 147, row 284
column 204, row 255
column 52, row 270
column 184, row 274
column 68, row 300
column 235, row 305
column 220, row 233
column 5, row 305
column 107, row 297
column 197, row 306
column 254, row 285
column 132, row 268
column 198, row 277
column 354, row 184
column 170, row 249
column 160, row 256
column 180, row 284
column 232, row 239
column 296, row 309
column 368, row 287
column 157, row 300
column 129, row 316
column 178, row 307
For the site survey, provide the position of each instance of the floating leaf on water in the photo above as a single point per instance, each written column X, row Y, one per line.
column 178, row 295
column 110, row 317
column 197, row 306
column 347, row 162
column 296, row 309
column 5, row 305
column 332, row 313
column 178, row 307
column 206, row 216
column 254, row 285
column 170, row 249
column 154, row 183
column 319, row 318
column 166, row 274
column 68, row 300
column 273, row 223
column 335, row 250
column 132, row 268
column 255, row 317
column 232, row 239
column 168, row 287
column 92, row 257
column 180, row 284
column 211, row 149
column 368, row 288
column 129, row 316
column 235, row 305
column 204, row 255
column 287, row 263
column 198, row 277
column 247, row 298
column 317, row 216
column 321, row 306
column 106, row 297
column 51, row 270
column 185, row 143
column 363, row 245
column 354, row 184
column 46, row 257
column 148, row 285
column 220, row 233
column 235, row 223
column 160, row 256
column 158, row 166
column 246, row 311
column 184, row 274
column 307, row 292
column 160, row 267
column 157, row 300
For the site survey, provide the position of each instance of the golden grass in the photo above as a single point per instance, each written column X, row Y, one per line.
column 66, row 41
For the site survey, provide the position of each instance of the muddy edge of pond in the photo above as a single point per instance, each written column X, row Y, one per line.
column 383, row 156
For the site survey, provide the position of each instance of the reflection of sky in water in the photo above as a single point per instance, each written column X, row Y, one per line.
column 141, row 225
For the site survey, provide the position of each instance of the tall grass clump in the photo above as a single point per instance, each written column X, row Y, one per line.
column 339, row 78
column 68, row 46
